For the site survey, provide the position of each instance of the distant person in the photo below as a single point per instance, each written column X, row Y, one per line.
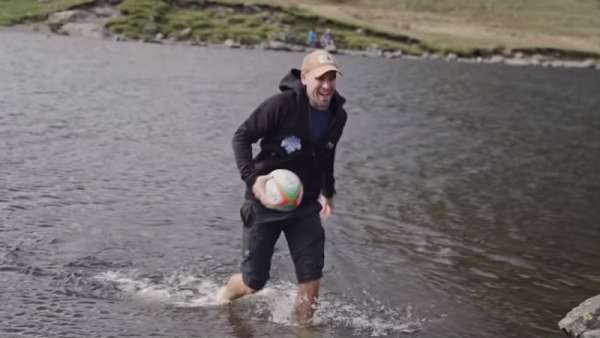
column 327, row 39
column 284, row 35
column 311, row 38
column 309, row 114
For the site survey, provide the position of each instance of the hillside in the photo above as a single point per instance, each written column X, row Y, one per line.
column 470, row 24
column 559, row 28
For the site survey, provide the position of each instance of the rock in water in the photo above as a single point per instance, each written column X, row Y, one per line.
column 61, row 18
column 83, row 29
column 231, row 43
column 591, row 334
column 585, row 318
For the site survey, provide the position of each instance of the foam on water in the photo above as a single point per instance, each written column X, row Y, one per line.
column 275, row 303
column 182, row 290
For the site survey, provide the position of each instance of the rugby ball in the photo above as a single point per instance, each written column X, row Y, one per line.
column 283, row 190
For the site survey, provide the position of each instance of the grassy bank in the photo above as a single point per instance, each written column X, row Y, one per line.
column 467, row 25
column 215, row 21
column 17, row 11
column 561, row 28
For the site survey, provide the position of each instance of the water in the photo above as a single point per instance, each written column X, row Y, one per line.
column 467, row 206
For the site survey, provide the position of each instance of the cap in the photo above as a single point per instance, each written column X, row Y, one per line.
column 318, row 63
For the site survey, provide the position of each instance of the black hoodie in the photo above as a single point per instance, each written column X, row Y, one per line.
column 282, row 122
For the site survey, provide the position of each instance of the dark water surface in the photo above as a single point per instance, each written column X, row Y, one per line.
column 468, row 198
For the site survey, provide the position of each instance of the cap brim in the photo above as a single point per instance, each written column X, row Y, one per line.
column 319, row 71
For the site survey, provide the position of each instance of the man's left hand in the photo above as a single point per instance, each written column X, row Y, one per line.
column 326, row 206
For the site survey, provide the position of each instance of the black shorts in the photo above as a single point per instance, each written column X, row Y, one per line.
column 304, row 234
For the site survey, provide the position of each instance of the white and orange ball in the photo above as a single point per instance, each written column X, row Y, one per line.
column 284, row 190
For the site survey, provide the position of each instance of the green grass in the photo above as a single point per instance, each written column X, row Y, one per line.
column 18, row 11
column 144, row 9
column 139, row 17
column 216, row 23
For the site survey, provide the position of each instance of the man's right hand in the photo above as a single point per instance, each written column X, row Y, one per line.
column 259, row 190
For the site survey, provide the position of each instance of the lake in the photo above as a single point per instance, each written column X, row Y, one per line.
column 468, row 195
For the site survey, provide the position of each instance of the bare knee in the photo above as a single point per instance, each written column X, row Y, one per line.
column 239, row 279
column 250, row 290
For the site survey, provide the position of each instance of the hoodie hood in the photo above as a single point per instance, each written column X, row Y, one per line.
column 291, row 81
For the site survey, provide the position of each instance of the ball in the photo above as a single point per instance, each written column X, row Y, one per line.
column 284, row 190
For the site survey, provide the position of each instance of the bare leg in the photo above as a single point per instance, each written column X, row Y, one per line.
column 234, row 289
column 306, row 301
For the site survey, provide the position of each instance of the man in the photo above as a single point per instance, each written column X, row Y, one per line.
column 299, row 129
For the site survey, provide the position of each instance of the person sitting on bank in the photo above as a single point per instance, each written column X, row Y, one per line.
column 327, row 39
column 311, row 38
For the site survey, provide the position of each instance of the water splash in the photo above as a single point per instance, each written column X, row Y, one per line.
column 367, row 317
column 273, row 304
column 179, row 289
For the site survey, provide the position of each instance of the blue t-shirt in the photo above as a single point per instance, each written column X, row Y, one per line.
column 319, row 122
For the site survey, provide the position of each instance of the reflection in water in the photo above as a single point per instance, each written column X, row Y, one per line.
column 241, row 327
column 466, row 202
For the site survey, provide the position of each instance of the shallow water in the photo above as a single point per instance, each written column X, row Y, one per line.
column 467, row 206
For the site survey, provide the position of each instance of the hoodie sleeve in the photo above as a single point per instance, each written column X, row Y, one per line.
column 260, row 122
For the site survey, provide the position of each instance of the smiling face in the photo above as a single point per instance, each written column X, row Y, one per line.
column 319, row 89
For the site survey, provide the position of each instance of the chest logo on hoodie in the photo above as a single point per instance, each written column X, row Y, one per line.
column 291, row 144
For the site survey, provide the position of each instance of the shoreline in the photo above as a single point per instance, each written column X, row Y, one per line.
column 93, row 20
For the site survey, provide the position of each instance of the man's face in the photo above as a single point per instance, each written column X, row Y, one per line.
column 320, row 89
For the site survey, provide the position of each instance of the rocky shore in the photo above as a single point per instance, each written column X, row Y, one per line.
column 584, row 320
column 94, row 21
